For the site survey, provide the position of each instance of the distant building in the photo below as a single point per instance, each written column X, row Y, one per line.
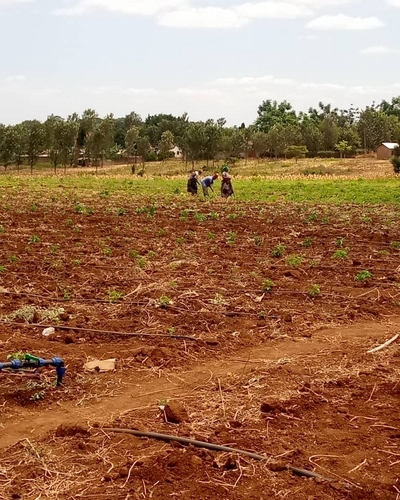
column 177, row 152
column 386, row 150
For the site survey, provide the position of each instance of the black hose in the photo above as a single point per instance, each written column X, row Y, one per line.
column 210, row 446
column 104, row 332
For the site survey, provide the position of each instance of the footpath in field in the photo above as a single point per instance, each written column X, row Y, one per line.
column 260, row 319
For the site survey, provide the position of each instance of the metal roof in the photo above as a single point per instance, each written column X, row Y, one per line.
column 390, row 145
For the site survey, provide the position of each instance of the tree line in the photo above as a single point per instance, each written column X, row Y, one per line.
column 278, row 131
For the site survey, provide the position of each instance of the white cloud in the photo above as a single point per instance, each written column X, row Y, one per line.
column 16, row 78
column 309, row 38
column 249, row 81
column 206, row 17
column 341, row 22
column 184, row 14
column 11, row 2
column 192, row 92
column 273, row 10
column 379, row 50
column 132, row 7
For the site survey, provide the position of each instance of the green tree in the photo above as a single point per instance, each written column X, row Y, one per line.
column 131, row 144
column 195, row 141
column 53, row 130
column 343, row 147
column 271, row 113
column 8, row 146
column 143, row 149
column 69, row 133
column 35, row 141
column 260, row 143
column 296, row 152
column 166, row 143
column 212, row 140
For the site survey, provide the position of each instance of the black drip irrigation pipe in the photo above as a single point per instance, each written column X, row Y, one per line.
column 213, row 447
column 104, row 332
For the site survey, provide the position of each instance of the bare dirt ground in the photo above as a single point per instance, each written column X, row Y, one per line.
column 282, row 372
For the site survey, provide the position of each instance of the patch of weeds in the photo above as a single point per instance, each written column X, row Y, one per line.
column 211, row 236
column 232, row 216
column 133, row 254
column 32, row 314
column 34, row 239
column 184, row 215
column 294, row 260
column 67, row 292
column 383, row 252
column 3, row 269
column 2, row 230
column 231, row 238
column 104, row 194
column 16, row 355
column 200, row 217
column 307, row 243
column 363, row 276
column 142, row 262
column 161, row 232
column 77, row 229
column 33, row 208
column 164, row 301
column 121, row 211
column 214, row 215
column 325, row 220
column 257, row 240
column 76, row 262
column 314, row 263
column 341, row 254
column 314, row 291
column 312, row 217
column 173, row 284
column 262, row 315
column 395, row 245
column 13, row 258
column 366, row 219
column 181, row 240
column 107, row 251
column 278, row 251
column 114, row 296
column 339, row 242
column 219, row 300
column 171, row 330
column 268, row 285
column 54, row 248
column 151, row 254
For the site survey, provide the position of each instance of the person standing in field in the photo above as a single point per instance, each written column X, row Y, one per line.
column 208, row 182
column 193, row 182
column 226, row 183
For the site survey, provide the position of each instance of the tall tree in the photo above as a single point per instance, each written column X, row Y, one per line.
column 35, row 141
column 131, row 144
column 166, row 143
column 271, row 113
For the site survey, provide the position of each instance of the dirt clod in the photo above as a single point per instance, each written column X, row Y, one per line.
column 176, row 413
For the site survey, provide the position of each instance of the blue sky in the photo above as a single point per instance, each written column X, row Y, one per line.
column 210, row 58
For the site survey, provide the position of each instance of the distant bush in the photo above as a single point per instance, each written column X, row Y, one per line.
column 328, row 154
column 396, row 161
column 152, row 156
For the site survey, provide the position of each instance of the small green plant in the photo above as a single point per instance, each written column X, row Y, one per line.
column 184, row 215
column 200, row 217
column 69, row 223
column 107, row 251
column 171, row 330
column 366, row 219
column 151, row 254
column 219, row 300
column 141, row 262
column 76, row 262
column 278, row 250
column 114, row 296
column 34, row 239
column 363, row 276
column 211, row 236
column 294, row 260
column 54, row 248
column 314, row 291
column 161, row 232
column 339, row 242
column 325, row 220
column 231, row 238
column 214, row 215
column 181, row 240
column 307, row 242
column 262, row 315
column 33, row 208
column 341, row 254
column 395, row 245
column 2, row 230
column 268, row 285
column 121, row 211
column 164, row 301
column 13, row 258
column 312, row 217
column 133, row 254
column 3, row 269
column 16, row 355
column 257, row 240
column 232, row 216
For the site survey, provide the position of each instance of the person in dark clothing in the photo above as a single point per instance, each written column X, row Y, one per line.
column 193, row 182
column 226, row 183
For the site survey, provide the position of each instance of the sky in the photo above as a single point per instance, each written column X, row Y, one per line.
column 209, row 58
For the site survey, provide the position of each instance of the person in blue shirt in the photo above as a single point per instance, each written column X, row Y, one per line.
column 207, row 183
